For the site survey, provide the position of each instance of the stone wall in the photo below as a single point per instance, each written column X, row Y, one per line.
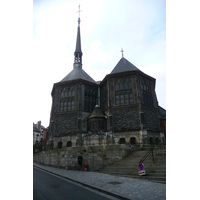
column 126, row 118
column 151, row 118
column 96, row 157
column 66, row 123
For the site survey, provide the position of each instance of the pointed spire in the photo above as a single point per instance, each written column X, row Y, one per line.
column 78, row 53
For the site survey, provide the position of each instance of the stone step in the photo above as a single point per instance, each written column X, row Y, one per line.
column 150, row 173
column 148, row 177
column 150, row 169
column 152, row 179
column 130, row 160
column 146, row 166
column 136, row 164
column 128, row 167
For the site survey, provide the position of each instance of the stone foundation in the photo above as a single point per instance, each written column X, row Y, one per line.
column 96, row 157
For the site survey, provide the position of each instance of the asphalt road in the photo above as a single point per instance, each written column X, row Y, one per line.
column 51, row 187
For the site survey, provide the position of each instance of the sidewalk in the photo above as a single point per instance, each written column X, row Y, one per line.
column 120, row 187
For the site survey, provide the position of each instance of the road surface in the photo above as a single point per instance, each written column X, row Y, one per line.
column 51, row 187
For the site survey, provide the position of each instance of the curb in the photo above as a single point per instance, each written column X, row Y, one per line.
column 86, row 185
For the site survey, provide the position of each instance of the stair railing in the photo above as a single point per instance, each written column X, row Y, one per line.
column 147, row 154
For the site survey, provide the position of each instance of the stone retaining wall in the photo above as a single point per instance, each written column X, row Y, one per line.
column 96, row 157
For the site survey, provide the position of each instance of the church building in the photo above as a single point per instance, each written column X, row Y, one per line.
column 122, row 108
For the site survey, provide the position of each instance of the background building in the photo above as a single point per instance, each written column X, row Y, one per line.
column 38, row 131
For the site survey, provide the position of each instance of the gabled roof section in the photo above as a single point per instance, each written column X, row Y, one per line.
column 96, row 113
column 78, row 73
column 123, row 66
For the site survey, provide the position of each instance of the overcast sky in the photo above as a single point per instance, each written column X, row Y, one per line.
column 137, row 26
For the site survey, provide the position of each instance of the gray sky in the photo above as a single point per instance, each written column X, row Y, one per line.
column 137, row 26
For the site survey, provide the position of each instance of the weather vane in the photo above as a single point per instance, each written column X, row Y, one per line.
column 79, row 10
column 122, row 53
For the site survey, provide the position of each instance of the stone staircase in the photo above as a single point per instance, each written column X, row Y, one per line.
column 128, row 167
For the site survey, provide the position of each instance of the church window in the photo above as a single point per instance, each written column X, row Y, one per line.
column 146, row 93
column 126, row 98
column 72, row 103
column 67, row 99
column 121, row 85
column 117, row 85
column 69, row 104
column 73, row 91
column 148, row 88
column 94, row 125
column 127, row 83
column 65, row 105
column 66, row 93
column 143, row 85
column 131, row 96
column 121, row 98
column 61, row 106
column 117, row 99
column 63, row 93
column 90, row 98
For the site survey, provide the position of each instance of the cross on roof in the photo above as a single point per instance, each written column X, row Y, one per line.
column 122, row 53
column 79, row 10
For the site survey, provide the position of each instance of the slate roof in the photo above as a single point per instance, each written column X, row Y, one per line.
column 78, row 73
column 162, row 112
column 96, row 113
column 78, row 41
column 35, row 129
column 123, row 66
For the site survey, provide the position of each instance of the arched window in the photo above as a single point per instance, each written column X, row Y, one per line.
column 51, row 145
column 63, row 93
column 126, row 98
column 132, row 140
column 121, row 85
column 130, row 96
column 121, row 98
column 117, row 98
column 90, row 98
column 72, row 103
column 127, row 83
column 71, row 92
column 65, row 105
column 69, row 144
column 69, row 104
column 148, row 87
column 60, row 145
column 61, row 105
column 122, row 141
column 117, row 83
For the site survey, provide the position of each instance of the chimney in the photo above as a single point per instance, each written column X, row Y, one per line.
column 38, row 125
